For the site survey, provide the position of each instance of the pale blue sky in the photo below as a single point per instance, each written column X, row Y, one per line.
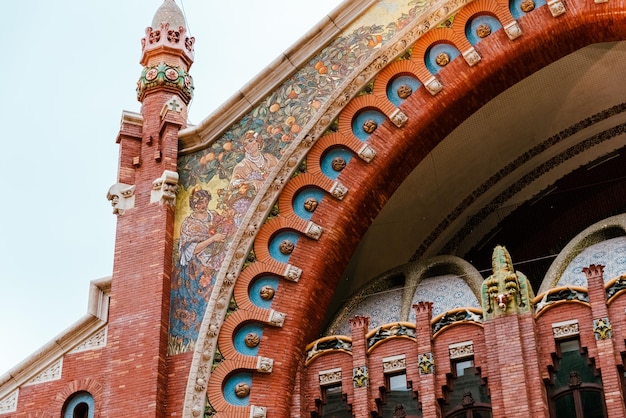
column 69, row 69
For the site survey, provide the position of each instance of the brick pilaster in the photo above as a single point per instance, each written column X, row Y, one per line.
column 426, row 386
column 361, row 402
column 606, row 352
column 506, row 369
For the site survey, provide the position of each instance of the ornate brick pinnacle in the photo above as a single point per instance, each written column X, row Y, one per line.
column 593, row 271
column 360, row 322
column 423, row 307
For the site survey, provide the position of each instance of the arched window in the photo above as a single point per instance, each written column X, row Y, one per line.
column 575, row 387
column 79, row 405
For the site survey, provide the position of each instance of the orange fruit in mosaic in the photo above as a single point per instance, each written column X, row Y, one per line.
column 290, row 121
column 322, row 70
column 318, row 65
column 316, row 104
column 295, row 128
column 274, row 107
column 228, row 146
column 209, row 157
column 292, row 94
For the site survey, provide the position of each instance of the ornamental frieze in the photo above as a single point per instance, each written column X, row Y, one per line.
column 164, row 75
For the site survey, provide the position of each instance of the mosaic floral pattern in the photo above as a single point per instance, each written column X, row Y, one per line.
column 610, row 253
column 446, row 292
column 274, row 122
column 382, row 308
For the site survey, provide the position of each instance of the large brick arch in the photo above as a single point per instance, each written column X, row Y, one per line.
column 545, row 39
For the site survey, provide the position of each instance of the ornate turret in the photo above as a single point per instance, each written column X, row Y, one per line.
column 167, row 54
column 144, row 200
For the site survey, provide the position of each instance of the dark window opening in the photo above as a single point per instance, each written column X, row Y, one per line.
column 466, row 395
column 333, row 404
column 79, row 405
column 575, row 386
column 397, row 399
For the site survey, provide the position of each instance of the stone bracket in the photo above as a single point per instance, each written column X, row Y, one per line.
column 557, row 8
column 366, row 153
column 313, row 231
column 276, row 318
column 471, row 57
column 122, row 197
column 292, row 273
column 513, row 31
column 398, row 118
column 338, row 190
column 164, row 188
column 264, row 364
column 433, row 85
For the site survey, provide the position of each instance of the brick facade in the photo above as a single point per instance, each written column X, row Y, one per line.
column 513, row 354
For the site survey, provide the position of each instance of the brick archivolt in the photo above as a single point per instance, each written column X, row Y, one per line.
column 345, row 105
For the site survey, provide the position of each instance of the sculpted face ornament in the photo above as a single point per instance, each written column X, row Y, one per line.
column 442, row 59
column 369, row 126
column 242, row 390
column 267, row 292
column 310, row 204
column 404, row 91
column 338, row 163
column 252, row 340
column 483, row 30
column 527, row 6
column 286, row 247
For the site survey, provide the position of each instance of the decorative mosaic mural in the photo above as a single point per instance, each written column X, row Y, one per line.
column 446, row 292
column 219, row 183
column 610, row 253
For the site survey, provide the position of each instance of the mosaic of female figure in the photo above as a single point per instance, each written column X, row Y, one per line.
column 202, row 235
column 249, row 174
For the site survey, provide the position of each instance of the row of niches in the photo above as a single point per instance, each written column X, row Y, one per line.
column 397, row 89
column 390, row 296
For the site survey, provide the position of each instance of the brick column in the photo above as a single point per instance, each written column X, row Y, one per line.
column 506, row 368
column 361, row 401
column 426, row 387
column 529, row 341
column 140, row 288
column 606, row 352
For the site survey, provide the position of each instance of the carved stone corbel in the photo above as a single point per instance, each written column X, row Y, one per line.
column 398, row 118
column 471, row 57
column 367, row 153
column 258, row 411
column 313, row 231
column 292, row 273
column 164, row 188
column 276, row 318
column 122, row 197
column 264, row 365
column 513, row 31
column 338, row 190
column 433, row 85
column 557, row 8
